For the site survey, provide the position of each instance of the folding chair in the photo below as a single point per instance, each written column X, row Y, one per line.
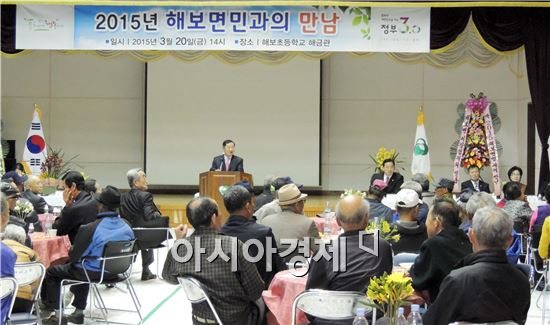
column 116, row 266
column 28, row 274
column 153, row 238
column 195, row 294
column 330, row 305
column 8, row 289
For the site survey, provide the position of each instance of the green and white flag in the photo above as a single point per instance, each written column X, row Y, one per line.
column 421, row 152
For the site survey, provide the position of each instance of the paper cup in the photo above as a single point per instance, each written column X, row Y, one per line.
column 52, row 232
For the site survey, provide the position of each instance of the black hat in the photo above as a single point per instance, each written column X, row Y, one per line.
column 249, row 188
column 17, row 179
column 446, row 183
column 109, row 197
column 9, row 190
column 282, row 181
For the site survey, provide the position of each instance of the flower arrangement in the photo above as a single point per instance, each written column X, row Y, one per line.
column 22, row 209
column 354, row 192
column 383, row 154
column 388, row 293
column 475, row 151
column 387, row 231
column 55, row 165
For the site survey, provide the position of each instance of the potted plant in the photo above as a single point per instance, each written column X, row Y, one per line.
column 388, row 292
column 54, row 167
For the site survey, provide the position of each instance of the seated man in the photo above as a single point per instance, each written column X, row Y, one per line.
column 444, row 190
column 291, row 223
column 80, row 207
column 239, row 202
column 392, row 179
column 447, row 244
column 423, row 207
column 273, row 206
column 377, row 209
column 32, row 193
column 475, row 181
column 484, row 287
column 89, row 241
column 7, row 259
column 267, row 194
column 232, row 291
column 352, row 213
column 412, row 233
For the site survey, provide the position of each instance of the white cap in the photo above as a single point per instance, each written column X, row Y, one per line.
column 407, row 198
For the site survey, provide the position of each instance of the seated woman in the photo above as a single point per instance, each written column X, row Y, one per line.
column 542, row 211
column 519, row 210
column 14, row 238
column 514, row 175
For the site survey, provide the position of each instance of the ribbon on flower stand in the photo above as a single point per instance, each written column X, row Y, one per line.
column 460, row 149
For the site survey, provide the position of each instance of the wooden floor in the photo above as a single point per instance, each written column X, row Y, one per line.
column 173, row 206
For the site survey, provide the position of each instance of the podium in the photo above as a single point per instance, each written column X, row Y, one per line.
column 210, row 182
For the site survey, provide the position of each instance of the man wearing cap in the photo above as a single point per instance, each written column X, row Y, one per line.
column 228, row 162
column 446, row 245
column 388, row 175
column 423, row 208
column 12, row 195
column 80, row 207
column 377, row 209
column 412, row 233
column 34, row 188
column 89, row 241
column 267, row 193
column 291, row 223
column 17, row 176
column 273, row 207
column 239, row 202
column 475, row 181
column 444, row 190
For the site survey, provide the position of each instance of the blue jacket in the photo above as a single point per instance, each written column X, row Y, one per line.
column 91, row 239
column 7, row 259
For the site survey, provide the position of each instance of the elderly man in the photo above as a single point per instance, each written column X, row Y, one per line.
column 80, row 207
column 138, row 208
column 232, row 291
column 32, row 193
column 412, row 232
column 228, row 161
column 291, row 223
column 267, row 193
column 484, row 287
column 444, row 190
column 475, row 202
column 392, row 179
column 273, row 206
column 352, row 214
column 447, row 244
column 377, row 209
column 89, row 241
column 475, row 181
column 239, row 202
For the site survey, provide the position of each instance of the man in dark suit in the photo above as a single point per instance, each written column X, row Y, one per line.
column 138, row 208
column 239, row 202
column 475, row 183
column 32, row 193
column 228, row 162
column 389, row 176
column 80, row 207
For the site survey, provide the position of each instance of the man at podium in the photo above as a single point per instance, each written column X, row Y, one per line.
column 227, row 162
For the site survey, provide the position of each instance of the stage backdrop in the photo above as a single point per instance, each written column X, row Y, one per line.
column 272, row 112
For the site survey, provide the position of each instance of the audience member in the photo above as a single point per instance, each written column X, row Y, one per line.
column 239, row 202
column 484, row 287
column 92, row 186
column 377, row 209
column 465, row 217
column 427, row 196
column 7, row 259
column 423, row 208
column 273, row 207
column 475, row 182
column 412, row 233
column 11, row 192
column 519, row 210
column 444, row 190
column 138, row 208
column 446, row 245
column 17, row 176
column 542, row 211
column 352, row 214
column 33, row 190
column 267, row 193
column 232, row 292
column 89, row 242
column 291, row 223
column 392, row 179
column 14, row 237
column 80, row 207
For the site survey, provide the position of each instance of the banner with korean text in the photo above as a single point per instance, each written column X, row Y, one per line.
column 347, row 29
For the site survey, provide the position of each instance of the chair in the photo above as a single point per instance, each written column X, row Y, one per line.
column 330, row 305
column 8, row 289
column 116, row 267
column 195, row 294
column 27, row 274
column 404, row 258
column 153, row 238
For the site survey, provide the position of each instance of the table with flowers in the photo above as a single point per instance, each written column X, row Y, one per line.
column 50, row 249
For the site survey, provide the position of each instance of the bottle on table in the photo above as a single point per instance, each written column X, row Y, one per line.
column 360, row 317
column 327, row 215
column 401, row 320
column 48, row 222
column 31, row 228
column 414, row 317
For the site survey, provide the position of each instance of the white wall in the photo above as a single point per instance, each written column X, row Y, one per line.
column 91, row 106
column 94, row 107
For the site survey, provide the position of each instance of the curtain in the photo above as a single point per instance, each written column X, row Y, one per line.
column 446, row 24
column 8, row 29
column 536, row 35
column 499, row 27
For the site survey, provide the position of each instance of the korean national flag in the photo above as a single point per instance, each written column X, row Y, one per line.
column 35, row 147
